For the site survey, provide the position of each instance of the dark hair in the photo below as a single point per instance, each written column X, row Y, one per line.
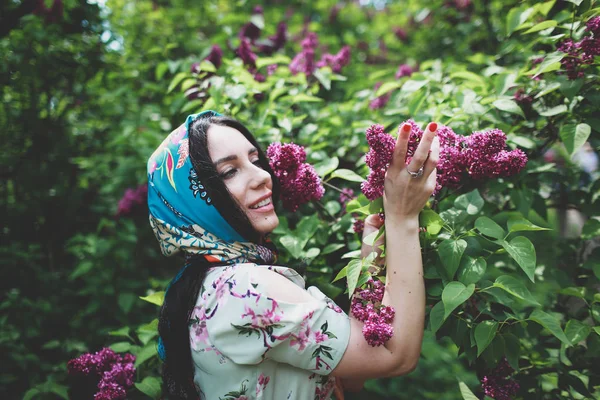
column 181, row 297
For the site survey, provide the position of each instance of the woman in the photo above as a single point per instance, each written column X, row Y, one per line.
column 235, row 326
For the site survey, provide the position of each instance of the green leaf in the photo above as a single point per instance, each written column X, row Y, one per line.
column 412, row 85
column 517, row 224
column 576, row 331
column 450, row 252
column 388, row 87
column 342, row 274
column 471, row 270
column 330, row 248
column 522, row 251
column 160, row 70
column 327, row 166
column 150, row 386
column 177, row 80
column 574, row 136
column 354, row 270
column 146, row 353
column 155, row 298
column 551, row 63
column 323, row 75
column 121, row 347
column 469, row 76
column 484, row 334
column 516, row 17
column 471, row 202
column 454, row 294
column 541, row 26
column 436, row 317
column 591, row 229
column 347, row 175
column 432, row 221
column 515, row 287
column 509, row 106
column 277, row 59
column 466, row 392
column 302, row 98
column 512, row 347
column 550, row 112
column 549, row 322
column 489, row 228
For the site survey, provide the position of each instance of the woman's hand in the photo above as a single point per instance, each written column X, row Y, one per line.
column 408, row 187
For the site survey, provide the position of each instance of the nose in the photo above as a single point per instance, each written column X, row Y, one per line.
column 260, row 177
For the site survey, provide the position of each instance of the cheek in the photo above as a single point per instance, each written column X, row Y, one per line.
column 237, row 189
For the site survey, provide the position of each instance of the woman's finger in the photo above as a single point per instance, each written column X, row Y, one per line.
column 434, row 156
column 422, row 151
column 399, row 155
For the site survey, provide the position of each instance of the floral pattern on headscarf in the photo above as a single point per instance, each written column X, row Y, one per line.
column 182, row 214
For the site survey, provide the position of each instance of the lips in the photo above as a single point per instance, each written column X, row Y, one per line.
column 266, row 196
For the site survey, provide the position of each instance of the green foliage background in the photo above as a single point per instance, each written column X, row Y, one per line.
column 89, row 91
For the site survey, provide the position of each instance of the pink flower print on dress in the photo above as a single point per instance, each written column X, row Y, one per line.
column 198, row 331
column 261, row 384
column 320, row 336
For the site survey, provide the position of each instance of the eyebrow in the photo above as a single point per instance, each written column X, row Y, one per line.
column 234, row 157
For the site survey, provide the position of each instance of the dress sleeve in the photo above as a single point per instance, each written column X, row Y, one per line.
column 248, row 325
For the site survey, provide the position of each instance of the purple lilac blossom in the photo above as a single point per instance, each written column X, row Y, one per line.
column 478, row 157
column 498, row 383
column 249, row 30
column 400, row 34
column 299, row 181
column 366, row 307
column 593, row 26
column 115, row 373
column 358, row 226
column 132, row 199
column 244, row 51
column 336, row 61
column 305, row 60
column 404, row 70
column 276, row 41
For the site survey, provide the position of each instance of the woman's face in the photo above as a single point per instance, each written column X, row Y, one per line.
column 236, row 161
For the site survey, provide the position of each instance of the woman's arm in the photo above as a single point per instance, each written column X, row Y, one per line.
column 404, row 197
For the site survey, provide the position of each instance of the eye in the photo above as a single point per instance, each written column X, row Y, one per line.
column 257, row 163
column 229, row 173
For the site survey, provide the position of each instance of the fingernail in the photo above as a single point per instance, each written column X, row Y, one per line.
column 432, row 127
column 406, row 128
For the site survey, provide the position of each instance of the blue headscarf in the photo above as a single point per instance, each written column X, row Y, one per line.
column 182, row 214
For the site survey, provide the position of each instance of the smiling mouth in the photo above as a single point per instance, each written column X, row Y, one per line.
column 261, row 204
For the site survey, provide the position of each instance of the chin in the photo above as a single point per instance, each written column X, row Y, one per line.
column 266, row 225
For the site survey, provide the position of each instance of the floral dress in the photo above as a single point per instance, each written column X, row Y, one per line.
column 247, row 344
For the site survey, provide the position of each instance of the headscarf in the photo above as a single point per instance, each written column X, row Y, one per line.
column 182, row 214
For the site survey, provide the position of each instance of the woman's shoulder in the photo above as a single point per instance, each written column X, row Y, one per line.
column 249, row 270
column 273, row 281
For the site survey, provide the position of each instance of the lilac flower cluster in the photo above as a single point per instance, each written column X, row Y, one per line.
column 249, row 37
column 358, row 226
column 478, row 157
column 498, row 384
column 305, row 60
column 299, row 180
column 132, row 199
column 336, row 61
column 115, row 372
column 404, row 70
column 366, row 307
column 378, row 159
column 581, row 53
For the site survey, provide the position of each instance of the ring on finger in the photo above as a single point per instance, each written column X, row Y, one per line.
column 416, row 174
